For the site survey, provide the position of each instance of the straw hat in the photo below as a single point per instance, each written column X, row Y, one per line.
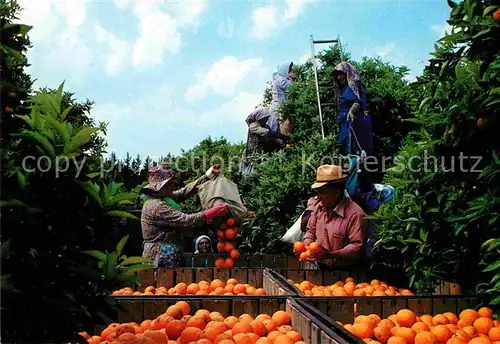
column 328, row 174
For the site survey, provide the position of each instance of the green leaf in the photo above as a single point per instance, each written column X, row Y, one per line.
column 121, row 244
column 489, row 9
column 492, row 266
column 119, row 198
column 80, row 138
column 91, row 190
column 17, row 203
column 134, row 260
column 121, row 214
column 413, row 241
column 488, row 243
column 59, row 127
column 93, row 175
column 138, row 267
column 96, row 254
column 42, row 141
column 495, row 301
column 65, row 113
column 22, row 180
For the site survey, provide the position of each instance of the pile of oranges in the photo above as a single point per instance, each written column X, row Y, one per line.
column 227, row 244
column 350, row 288
column 308, row 252
column 177, row 326
column 216, row 287
column 405, row 327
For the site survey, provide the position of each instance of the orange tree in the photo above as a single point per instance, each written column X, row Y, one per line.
column 59, row 259
column 447, row 173
column 280, row 193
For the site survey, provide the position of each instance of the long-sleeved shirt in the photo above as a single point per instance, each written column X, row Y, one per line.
column 341, row 231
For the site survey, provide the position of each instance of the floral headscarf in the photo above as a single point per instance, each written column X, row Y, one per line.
column 353, row 77
column 158, row 177
column 257, row 115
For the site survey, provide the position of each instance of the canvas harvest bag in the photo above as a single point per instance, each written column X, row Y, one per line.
column 222, row 190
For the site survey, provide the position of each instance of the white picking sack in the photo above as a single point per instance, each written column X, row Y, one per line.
column 294, row 234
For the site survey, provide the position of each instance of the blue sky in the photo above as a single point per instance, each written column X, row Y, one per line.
column 166, row 74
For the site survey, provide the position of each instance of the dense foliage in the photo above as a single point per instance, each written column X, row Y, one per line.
column 448, row 170
column 57, row 211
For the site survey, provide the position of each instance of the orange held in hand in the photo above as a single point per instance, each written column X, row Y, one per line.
column 299, row 247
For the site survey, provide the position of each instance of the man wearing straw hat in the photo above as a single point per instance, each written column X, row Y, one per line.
column 337, row 223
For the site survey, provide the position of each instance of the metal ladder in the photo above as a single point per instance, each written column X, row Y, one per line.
column 313, row 53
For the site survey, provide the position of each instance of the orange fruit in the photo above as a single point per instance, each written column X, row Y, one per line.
column 283, row 339
column 483, row 325
column 405, row 317
column 229, row 234
column 235, row 254
column 442, row 333
column 281, row 318
column 241, row 327
column 190, row 334
column 425, row 337
column 496, row 15
column 299, row 247
column 230, row 222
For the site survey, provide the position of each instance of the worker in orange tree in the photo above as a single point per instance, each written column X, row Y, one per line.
column 162, row 219
column 337, row 223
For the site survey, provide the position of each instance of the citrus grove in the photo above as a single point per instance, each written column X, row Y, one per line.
column 65, row 254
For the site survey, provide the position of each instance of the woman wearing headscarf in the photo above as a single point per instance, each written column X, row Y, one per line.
column 282, row 79
column 354, row 123
column 162, row 218
column 260, row 139
column 203, row 244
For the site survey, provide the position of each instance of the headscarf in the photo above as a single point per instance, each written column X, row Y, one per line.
column 282, row 69
column 257, row 115
column 197, row 243
column 158, row 177
column 353, row 77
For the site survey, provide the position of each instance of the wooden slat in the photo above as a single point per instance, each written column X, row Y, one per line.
column 305, row 328
column 268, row 261
column 443, row 305
column 367, row 306
column 392, row 306
column 315, row 276
column 132, row 311
column 222, row 306
column 255, row 261
column 184, row 275
column 295, row 275
column 341, row 310
column 268, row 306
column 280, row 262
column 325, row 339
column 146, row 279
column 240, row 274
column 292, row 262
column 165, row 277
column 255, row 277
column 464, row 303
column 204, row 274
column 251, row 307
column 315, row 334
column 420, row 306
column 329, row 277
column 222, row 274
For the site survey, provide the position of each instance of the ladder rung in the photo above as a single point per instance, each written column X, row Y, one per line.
column 328, row 104
column 326, row 41
column 325, row 86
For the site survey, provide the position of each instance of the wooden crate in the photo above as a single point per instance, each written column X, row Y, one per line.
column 312, row 329
column 345, row 309
column 257, row 277
column 274, row 261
